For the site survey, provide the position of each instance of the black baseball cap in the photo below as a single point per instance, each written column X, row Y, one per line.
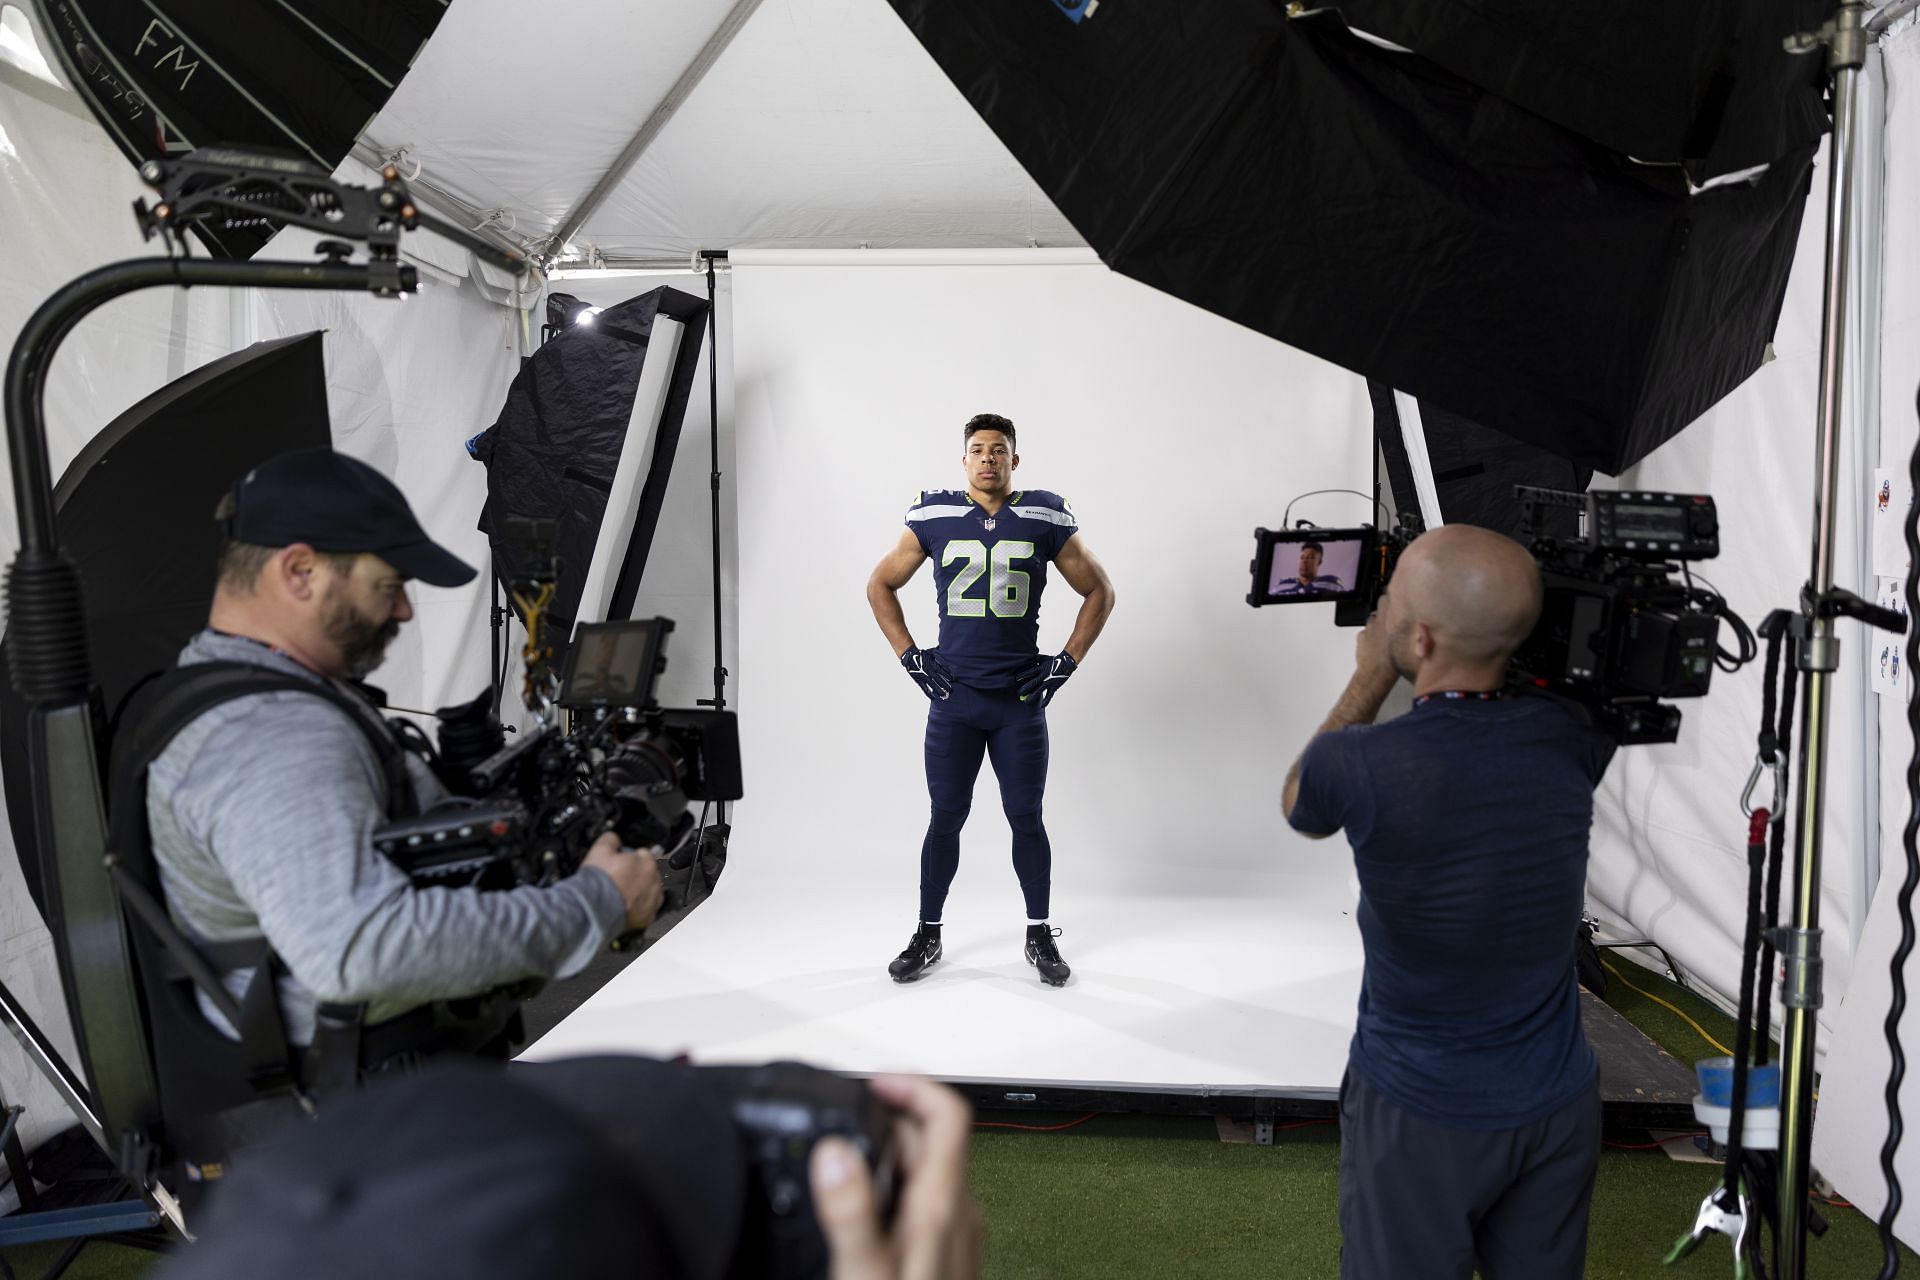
column 336, row 503
column 488, row 1171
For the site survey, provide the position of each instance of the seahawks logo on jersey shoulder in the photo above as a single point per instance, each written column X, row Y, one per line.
column 1039, row 504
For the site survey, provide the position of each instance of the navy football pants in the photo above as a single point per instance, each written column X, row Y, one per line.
column 1014, row 733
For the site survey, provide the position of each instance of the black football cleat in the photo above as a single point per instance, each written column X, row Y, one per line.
column 1044, row 956
column 921, row 954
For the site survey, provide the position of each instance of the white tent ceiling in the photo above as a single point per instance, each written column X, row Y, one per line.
column 822, row 124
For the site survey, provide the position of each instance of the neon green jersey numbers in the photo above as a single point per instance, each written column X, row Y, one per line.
column 974, row 552
column 1008, row 588
column 1008, row 585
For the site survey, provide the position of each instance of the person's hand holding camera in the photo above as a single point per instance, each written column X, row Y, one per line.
column 1373, row 667
column 936, row 1229
column 634, row 872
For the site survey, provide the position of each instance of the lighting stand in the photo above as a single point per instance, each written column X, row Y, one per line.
column 1845, row 39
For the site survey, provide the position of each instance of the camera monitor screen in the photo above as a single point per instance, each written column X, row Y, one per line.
column 614, row 664
column 1295, row 565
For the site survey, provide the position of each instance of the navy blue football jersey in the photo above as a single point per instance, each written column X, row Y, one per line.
column 988, row 573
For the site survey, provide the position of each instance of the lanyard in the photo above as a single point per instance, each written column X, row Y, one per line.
column 1461, row 695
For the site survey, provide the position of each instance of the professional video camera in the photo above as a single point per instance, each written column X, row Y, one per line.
column 601, row 756
column 1618, row 631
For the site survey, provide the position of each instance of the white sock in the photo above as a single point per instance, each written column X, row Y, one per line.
column 1036, row 924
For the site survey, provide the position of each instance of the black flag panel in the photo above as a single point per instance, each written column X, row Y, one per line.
column 1707, row 85
column 1474, row 468
column 1381, row 211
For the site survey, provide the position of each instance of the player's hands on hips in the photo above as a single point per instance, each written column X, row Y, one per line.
column 929, row 673
column 1044, row 678
column 937, row 1228
column 634, row 872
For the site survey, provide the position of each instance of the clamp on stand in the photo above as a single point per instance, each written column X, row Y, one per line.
column 1722, row 1213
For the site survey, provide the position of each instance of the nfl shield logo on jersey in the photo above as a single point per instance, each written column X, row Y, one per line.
column 987, row 524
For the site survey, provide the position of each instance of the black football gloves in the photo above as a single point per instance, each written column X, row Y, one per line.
column 929, row 673
column 1043, row 679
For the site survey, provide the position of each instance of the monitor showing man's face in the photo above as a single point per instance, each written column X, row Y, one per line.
column 1310, row 556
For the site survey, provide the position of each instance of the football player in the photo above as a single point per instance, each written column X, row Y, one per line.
column 1310, row 582
column 987, row 680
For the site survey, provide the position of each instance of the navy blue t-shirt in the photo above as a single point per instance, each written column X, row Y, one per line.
column 1469, row 823
column 988, row 573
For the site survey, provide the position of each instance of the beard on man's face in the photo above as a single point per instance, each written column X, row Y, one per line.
column 362, row 641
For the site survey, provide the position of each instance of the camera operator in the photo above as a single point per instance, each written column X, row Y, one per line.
column 614, row 1166
column 1470, row 1113
column 261, row 809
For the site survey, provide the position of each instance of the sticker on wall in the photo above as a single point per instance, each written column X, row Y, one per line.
column 1887, row 509
column 1887, row 653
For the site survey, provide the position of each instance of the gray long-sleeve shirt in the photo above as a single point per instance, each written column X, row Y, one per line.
column 262, row 812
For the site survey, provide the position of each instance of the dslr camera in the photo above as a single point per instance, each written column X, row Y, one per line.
column 1622, row 627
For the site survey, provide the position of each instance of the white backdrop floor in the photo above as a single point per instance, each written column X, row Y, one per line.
column 1247, row 988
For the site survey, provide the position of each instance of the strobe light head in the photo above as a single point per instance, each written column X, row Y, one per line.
column 564, row 311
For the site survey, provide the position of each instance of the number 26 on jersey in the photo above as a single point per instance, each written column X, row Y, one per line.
column 1007, row 587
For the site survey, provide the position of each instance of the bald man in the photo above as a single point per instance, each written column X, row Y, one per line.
column 1470, row 1117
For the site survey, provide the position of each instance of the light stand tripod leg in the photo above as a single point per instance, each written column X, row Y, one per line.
column 47, row 1060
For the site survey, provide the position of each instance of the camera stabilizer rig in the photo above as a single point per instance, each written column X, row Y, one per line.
column 48, row 653
column 601, row 755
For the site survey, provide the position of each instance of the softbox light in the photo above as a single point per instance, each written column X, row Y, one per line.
column 587, row 438
column 135, row 512
column 1388, row 212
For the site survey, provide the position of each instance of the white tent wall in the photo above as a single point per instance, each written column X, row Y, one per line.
column 1899, row 381
column 1669, row 847
column 409, row 381
column 1852, row 1120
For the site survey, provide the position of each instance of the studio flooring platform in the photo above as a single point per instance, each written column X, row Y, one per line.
column 1236, row 1001
column 1248, row 989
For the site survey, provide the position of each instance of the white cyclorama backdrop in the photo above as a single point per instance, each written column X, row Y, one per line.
column 1172, row 433
column 1213, row 947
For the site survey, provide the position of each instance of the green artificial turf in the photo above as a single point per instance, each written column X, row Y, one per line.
column 1141, row 1196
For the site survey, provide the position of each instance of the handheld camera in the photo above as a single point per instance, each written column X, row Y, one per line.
column 1618, row 631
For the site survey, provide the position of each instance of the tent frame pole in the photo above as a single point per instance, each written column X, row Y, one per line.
column 719, row 702
column 1845, row 39
column 681, row 90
